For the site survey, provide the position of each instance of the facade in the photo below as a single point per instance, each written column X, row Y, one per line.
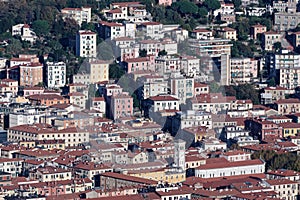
column 201, row 34
column 228, row 33
column 243, row 70
column 121, row 105
column 230, row 169
column 287, row 106
column 295, row 37
column 151, row 29
column 272, row 94
column 153, row 86
column 182, row 87
column 257, row 29
column 72, row 136
column 31, row 74
column 163, row 102
column 263, row 129
column 269, row 39
column 80, row 15
column 56, row 74
column 98, row 70
column 286, row 21
column 139, row 64
column 111, row 30
column 86, row 44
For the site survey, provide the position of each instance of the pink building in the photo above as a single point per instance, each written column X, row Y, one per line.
column 121, row 105
column 142, row 63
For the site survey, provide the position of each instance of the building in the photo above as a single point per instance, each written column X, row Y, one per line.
column 213, row 102
column 86, row 44
column 272, row 94
column 13, row 166
column 286, row 21
column 201, row 34
column 26, row 33
column 228, row 33
column 190, row 66
column 151, row 29
column 80, row 15
column 30, row 74
column 295, row 39
column 263, row 129
column 121, row 105
column 269, row 39
column 256, row 30
column 287, row 106
column 72, row 136
column 290, row 129
column 9, row 86
column 222, row 169
column 153, row 86
column 140, row 64
column 162, row 102
column 182, row 87
column 98, row 70
column 243, row 70
column 50, row 174
column 111, row 30
column 56, row 74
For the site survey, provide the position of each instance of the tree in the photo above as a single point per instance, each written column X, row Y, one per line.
column 185, row 7
column 272, row 82
column 237, row 3
column 41, row 27
column 142, row 52
column 203, row 12
column 115, row 72
column 162, row 53
column 277, row 46
column 212, row 5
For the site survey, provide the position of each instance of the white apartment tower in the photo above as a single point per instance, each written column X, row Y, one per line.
column 86, row 43
column 179, row 153
column 56, row 74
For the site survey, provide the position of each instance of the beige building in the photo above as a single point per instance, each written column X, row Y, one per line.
column 98, row 70
column 72, row 136
column 286, row 21
column 228, row 33
column 86, row 43
column 269, row 39
column 49, row 174
column 243, row 70
column 78, row 14
column 287, row 106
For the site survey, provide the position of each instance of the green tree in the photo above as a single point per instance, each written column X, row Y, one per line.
column 185, row 7
column 142, row 52
column 203, row 12
column 237, row 3
column 212, row 5
column 115, row 71
column 162, row 53
column 277, row 46
column 41, row 27
column 272, row 82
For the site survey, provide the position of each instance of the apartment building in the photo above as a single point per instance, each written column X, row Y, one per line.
column 243, row 70
column 9, row 86
column 162, row 102
column 139, row 64
column 153, row 47
column 121, row 105
column 286, row 21
column 263, row 129
column 86, row 43
column 111, row 30
column 167, row 65
column 201, row 34
column 269, row 39
column 213, row 102
column 50, row 174
column 30, row 74
column 153, row 86
column 72, row 136
column 56, row 74
column 228, row 33
column 151, row 29
column 295, row 39
column 181, row 87
column 190, row 66
column 287, row 106
column 80, row 15
column 13, row 166
column 222, row 169
column 257, row 29
column 272, row 94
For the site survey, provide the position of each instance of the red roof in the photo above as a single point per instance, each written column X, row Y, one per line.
column 163, row 98
column 129, row 178
column 230, row 164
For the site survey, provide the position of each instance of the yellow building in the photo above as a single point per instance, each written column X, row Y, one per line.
column 44, row 144
column 290, row 129
column 165, row 175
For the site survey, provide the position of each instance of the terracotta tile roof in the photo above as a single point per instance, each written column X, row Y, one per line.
column 230, row 164
column 163, row 98
column 129, row 178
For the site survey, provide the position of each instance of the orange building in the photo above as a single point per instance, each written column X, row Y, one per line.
column 31, row 74
column 47, row 99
